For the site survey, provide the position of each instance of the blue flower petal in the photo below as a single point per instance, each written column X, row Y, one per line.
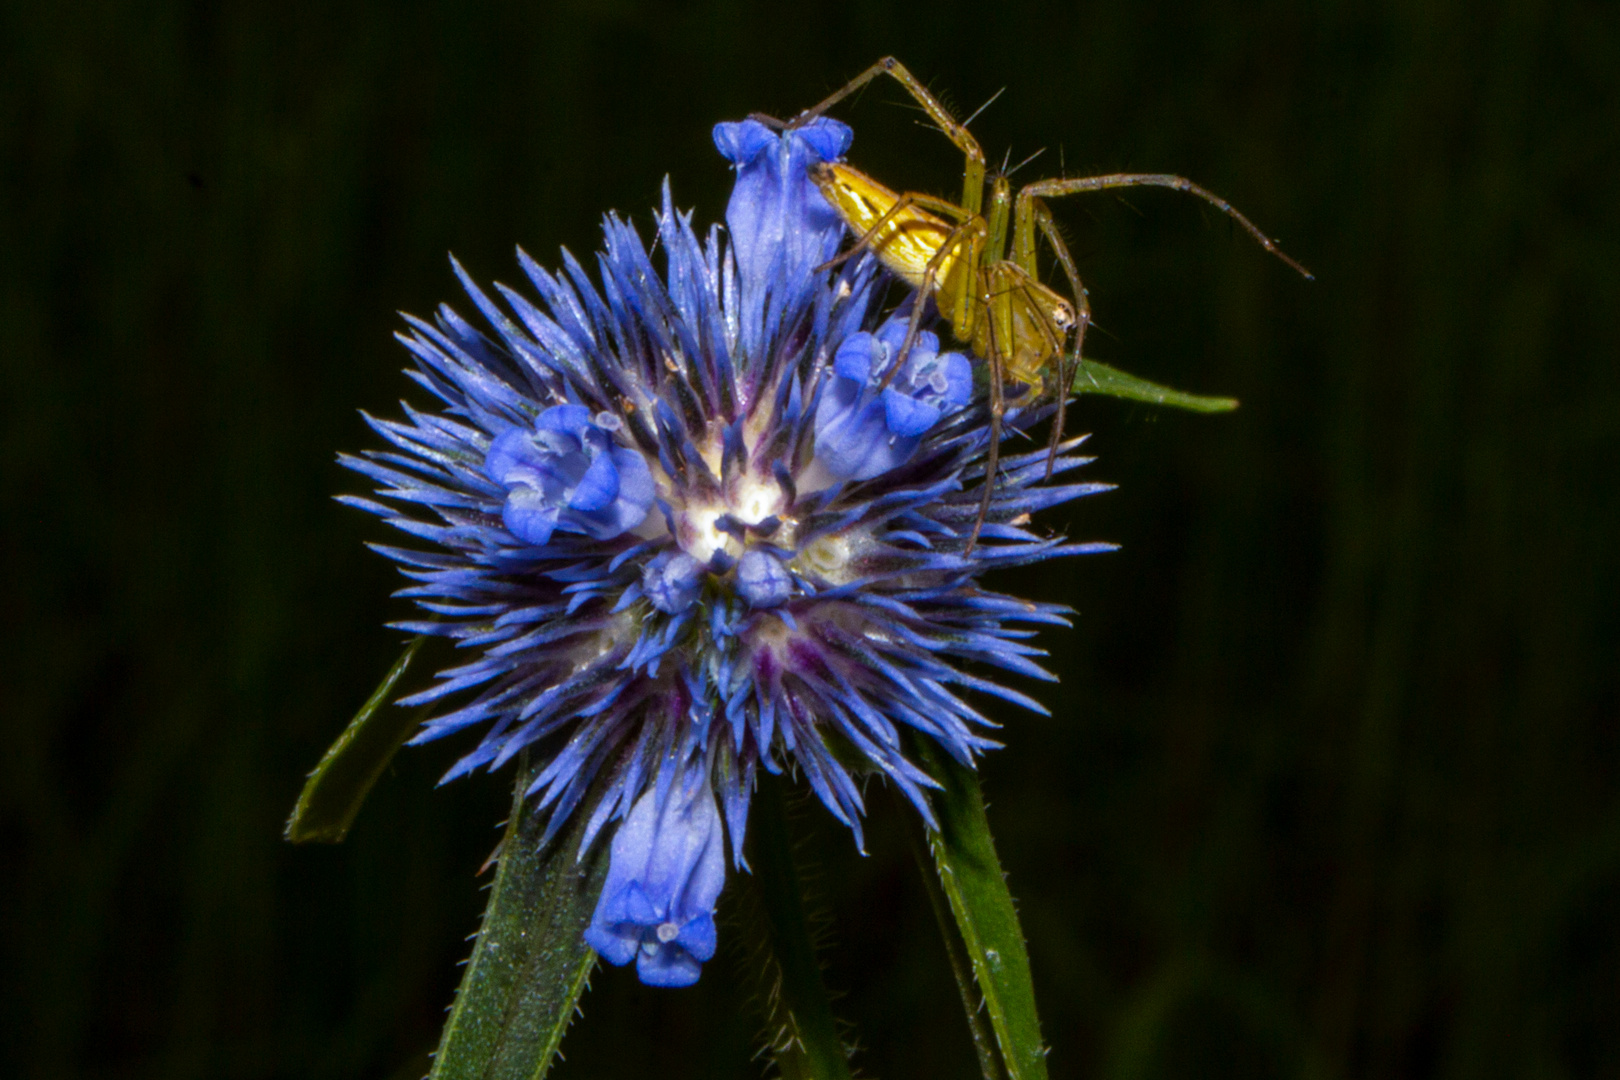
column 854, row 359
column 598, row 487
column 506, row 454
column 665, row 872
column 741, row 141
column 566, row 473
column 907, row 416
column 699, row 937
column 667, row 966
column 529, row 516
column 861, row 434
column 572, row 420
column 781, row 226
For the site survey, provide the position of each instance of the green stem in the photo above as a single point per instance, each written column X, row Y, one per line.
column 816, row 1052
column 530, row 965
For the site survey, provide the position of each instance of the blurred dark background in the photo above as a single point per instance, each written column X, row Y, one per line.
column 1332, row 782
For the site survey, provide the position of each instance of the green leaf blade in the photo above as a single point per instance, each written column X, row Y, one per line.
column 530, row 965
column 1093, row 377
column 338, row 786
column 970, row 874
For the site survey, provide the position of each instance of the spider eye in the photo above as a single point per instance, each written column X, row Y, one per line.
column 1063, row 315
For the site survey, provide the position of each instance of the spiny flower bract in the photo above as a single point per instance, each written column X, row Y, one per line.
column 683, row 529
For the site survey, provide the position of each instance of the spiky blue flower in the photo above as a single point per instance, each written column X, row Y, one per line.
column 683, row 530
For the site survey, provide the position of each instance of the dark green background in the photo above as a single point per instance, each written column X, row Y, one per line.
column 1332, row 784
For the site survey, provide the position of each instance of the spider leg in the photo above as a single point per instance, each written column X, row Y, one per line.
column 992, row 460
column 963, row 233
column 1068, row 362
column 1051, row 188
column 996, row 310
column 973, row 169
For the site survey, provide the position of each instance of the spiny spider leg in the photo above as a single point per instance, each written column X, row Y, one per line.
column 973, row 171
column 969, row 231
column 992, row 461
column 1054, row 188
column 1070, row 361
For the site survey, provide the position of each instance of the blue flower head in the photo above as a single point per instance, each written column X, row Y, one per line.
column 628, row 510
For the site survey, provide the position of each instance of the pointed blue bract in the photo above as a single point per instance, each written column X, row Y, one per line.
column 630, row 519
column 667, row 867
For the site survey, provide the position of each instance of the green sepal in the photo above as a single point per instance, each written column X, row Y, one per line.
column 334, row 792
column 970, row 874
column 530, row 964
column 1092, row 377
column 804, row 1036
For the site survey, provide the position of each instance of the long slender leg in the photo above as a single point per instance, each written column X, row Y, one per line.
column 1054, row 188
column 997, row 410
column 882, row 67
column 1054, row 339
column 973, row 170
column 1067, row 363
column 970, row 232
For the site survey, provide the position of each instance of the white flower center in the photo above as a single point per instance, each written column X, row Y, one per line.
column 757, row 499
column 828, row 557
column 668, row 932
column 699, row 536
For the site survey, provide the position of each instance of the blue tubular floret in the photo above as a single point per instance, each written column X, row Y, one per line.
column 567, row 473
column 666, row 871
column 865, row 429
